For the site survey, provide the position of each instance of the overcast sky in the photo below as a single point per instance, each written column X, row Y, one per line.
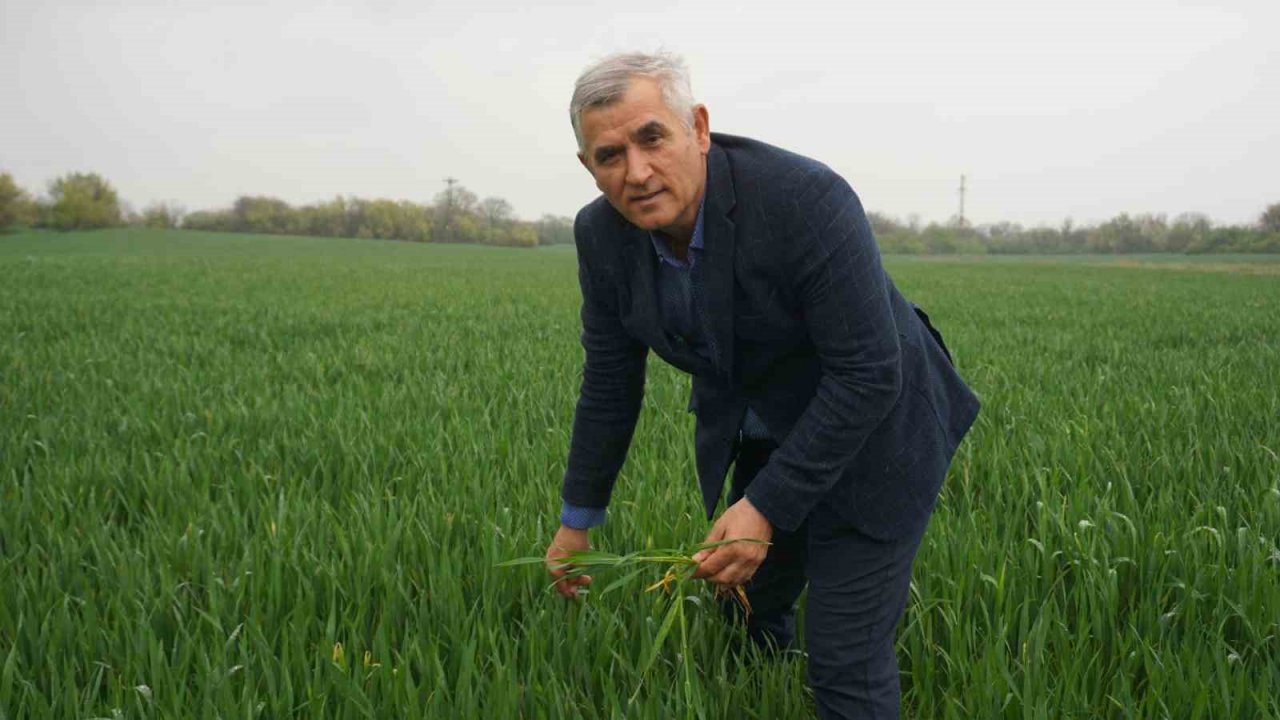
column 1085, row 109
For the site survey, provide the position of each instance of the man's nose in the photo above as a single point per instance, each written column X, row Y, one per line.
column 638, row 168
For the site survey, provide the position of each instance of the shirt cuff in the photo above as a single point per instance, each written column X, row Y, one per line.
column 776, row 504
column 581, row 518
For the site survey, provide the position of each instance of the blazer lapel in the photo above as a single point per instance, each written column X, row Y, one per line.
column 639, row 259
column 717, row 260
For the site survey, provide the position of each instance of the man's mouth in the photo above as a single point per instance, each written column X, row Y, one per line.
column 646, row 198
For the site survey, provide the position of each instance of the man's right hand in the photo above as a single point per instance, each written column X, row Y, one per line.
column 567, row 540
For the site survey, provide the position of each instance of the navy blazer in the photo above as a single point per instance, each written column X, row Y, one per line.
column 805, row 325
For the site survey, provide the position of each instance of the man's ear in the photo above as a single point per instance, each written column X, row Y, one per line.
column 702, row 127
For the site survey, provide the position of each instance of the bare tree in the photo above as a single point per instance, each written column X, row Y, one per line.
column 162, row 215
column 497, row 214
column 452, row 206
column 1269, row 222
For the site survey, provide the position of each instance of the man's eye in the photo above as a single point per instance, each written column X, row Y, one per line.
column 652, row 140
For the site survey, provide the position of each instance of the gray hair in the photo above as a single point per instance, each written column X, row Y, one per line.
column 606, row 81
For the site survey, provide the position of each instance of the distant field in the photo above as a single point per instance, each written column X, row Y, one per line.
column 246, row 476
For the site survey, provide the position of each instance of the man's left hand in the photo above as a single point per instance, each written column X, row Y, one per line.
column 733, row 564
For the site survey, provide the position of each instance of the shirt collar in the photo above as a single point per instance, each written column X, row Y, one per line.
column 663, row 248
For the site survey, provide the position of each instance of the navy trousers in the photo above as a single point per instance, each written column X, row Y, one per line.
column 858, row 589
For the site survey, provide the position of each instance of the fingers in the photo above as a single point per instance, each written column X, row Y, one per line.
column 714, row 564
column 568, row 586
column 567, row 583
column 558, row 567
column 716, row 534
column 732, row 570
column 733, row 576
column 730, row 565
column 716, row 560
column 566, row 542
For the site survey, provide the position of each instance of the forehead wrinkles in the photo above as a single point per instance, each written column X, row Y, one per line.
column 640, row 105
column 652, row 127
column 610, row 130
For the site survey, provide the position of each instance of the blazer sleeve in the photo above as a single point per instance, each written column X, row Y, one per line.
column 613, row 375
column 843, row 294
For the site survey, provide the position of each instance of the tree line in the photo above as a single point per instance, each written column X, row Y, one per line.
column 456, row 215
column 1125, row 233
column 80, row 201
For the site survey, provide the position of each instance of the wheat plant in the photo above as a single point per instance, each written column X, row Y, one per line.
column 677, row 566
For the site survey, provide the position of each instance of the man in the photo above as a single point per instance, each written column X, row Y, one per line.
column 755, row 270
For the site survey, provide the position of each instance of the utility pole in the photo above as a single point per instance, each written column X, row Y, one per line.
column 448, row 208
column 962, row 201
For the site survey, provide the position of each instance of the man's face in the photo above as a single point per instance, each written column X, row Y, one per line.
column 647, row 163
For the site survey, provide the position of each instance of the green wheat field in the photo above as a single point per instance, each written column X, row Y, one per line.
column 269, row 477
